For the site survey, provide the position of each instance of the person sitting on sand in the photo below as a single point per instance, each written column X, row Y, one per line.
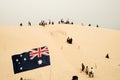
column 91, row 73
column 107, row 56
column 69, row 40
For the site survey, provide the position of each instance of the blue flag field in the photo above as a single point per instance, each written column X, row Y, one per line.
column 35, row 58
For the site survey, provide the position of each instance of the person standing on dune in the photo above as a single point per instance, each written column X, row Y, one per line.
column 83, row 67
column 86, row 70
column 29, row 23
column 91, row 73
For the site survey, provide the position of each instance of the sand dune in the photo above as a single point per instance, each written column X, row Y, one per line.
column 90, row 45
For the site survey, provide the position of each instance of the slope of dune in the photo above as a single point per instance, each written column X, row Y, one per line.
column 90, row 45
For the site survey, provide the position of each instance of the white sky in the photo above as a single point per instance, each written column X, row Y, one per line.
column 106, row 13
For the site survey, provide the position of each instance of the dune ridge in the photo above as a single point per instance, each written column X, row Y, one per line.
column 90, row 45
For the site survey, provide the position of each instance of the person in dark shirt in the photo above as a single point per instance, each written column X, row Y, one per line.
column 83, row 67
column 29, row 23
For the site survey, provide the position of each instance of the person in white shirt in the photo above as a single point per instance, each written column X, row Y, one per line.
column 91, row 73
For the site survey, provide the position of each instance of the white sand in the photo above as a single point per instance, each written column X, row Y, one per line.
column 90, row 45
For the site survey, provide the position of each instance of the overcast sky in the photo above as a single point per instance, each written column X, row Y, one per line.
column 106, row 13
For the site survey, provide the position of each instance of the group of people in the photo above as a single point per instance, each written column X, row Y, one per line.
column 64, row 22
column 43, row 23
column 88, row 72
column 96, row 25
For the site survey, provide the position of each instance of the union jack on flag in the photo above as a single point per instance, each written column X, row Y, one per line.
column 39, row 52
column 37, row 57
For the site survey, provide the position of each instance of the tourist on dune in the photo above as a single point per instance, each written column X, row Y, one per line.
column 21, row 78
column 97, row 26
column 107, row 56
column 29, row 23
column 91, row 73
column 83, row 67
column 20, row 24
column 86, row 70
column 69, row 40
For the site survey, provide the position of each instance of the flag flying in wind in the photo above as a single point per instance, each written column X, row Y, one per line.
column 35, row 58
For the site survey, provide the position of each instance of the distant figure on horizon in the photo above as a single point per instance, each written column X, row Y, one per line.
column 58, row 22
column 75, row 78
column 107, row 56
column 42, row 23
column 52, row 23
column 89, row 25
column 91, row 73
column 86, row 70
column 20, row 24
column 71, row 22
column 49, row 21
column 29, row 23
column 67, row 22
column 62, row 21
column 83, row 67
column 97, row 26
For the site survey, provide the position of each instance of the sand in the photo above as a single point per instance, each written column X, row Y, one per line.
column 90, row 45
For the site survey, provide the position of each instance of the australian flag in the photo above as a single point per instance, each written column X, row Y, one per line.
column 37, row 57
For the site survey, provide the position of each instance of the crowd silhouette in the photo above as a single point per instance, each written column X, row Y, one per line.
column 44, row 23
column 88, row 72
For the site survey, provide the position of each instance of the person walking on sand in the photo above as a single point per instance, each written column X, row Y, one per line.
column 86, row 70
column 83, row 67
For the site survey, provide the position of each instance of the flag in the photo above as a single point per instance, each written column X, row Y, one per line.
column 35, row 58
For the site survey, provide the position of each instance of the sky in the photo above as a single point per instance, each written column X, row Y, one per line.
column 105, row 13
